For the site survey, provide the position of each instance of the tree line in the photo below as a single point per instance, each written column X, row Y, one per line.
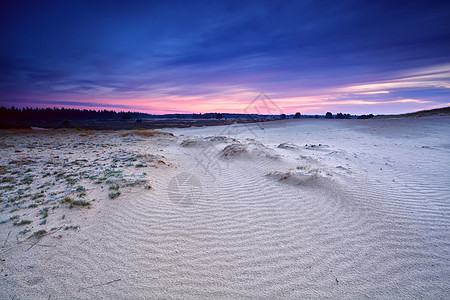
column 52, row 114
column 57, row 114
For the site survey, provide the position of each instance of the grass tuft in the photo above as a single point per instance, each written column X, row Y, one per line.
column 24, row 231
column 23, row 222
column 39, row 233
column 44, row 212
column 71, row 181
column 80, row 203
column 114, row 187
column 66, row 200
column 80, row 189
column 114, row 195
column 71, row 227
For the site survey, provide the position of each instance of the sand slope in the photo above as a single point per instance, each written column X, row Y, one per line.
column 344, row 209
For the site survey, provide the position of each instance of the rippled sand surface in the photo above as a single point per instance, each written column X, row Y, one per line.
column 285, row 209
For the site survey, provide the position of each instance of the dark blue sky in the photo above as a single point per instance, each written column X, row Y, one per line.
column 199, row 56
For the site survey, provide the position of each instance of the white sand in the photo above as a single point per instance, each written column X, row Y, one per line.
column 293, row 209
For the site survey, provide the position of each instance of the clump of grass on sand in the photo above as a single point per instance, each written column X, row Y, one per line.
column 75, row 202
column 44, row 212
column 80, row 188
column 114, row 187
column 22, row 222
column 39, row 233
column 71, row 227
column 66, row 200
column 81, row 203
column 114, row 195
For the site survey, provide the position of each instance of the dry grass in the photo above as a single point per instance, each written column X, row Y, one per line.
column 50, row 132
column 146, row 133
column 87, row 133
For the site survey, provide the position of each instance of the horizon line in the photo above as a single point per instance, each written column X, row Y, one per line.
column 204, row 113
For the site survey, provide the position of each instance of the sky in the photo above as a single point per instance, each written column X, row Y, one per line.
column 357, row 57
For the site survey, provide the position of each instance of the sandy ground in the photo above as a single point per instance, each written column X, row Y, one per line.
column 286, row 209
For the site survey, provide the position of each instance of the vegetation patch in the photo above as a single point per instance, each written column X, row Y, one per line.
column 80, row 203
column 114, row 187
column 28, row 179
column 44, row 212
column 66, row 200
column 71, row 227
column 39, row 233
column 39, row 184
column 114, row 195
column 22, row 222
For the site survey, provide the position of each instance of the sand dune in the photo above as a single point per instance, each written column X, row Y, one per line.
column 295, row 209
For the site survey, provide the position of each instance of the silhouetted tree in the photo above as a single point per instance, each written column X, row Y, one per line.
column 283, row 116
column 342, row 116
column 297, row 115
column 219, row 116
column 366, row 116
column 329, row 115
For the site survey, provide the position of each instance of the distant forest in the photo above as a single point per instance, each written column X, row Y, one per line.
column 13, row 114
column 56, row 114
column 52, row 114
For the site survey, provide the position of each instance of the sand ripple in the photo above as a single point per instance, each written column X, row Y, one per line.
column 369, row 233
